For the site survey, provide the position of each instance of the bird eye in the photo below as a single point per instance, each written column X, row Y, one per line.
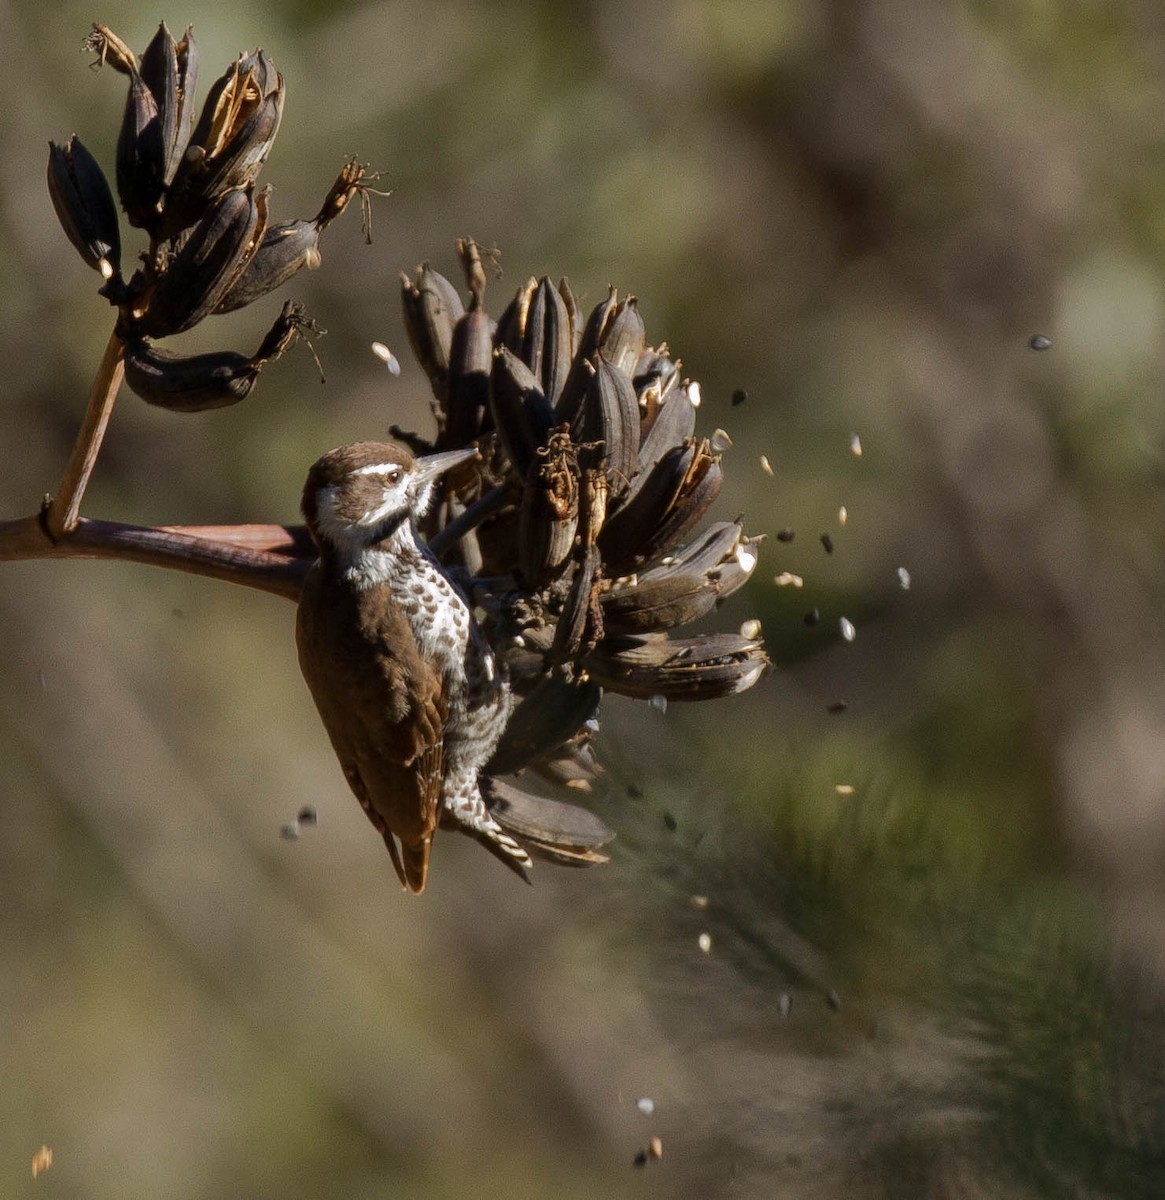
column 394, row 475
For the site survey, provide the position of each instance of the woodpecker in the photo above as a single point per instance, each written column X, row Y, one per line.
column 411, row 695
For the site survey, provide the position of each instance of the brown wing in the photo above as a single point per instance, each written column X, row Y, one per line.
column 381, row 704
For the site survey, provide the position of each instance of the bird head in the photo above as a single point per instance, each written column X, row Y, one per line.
column 358, row 495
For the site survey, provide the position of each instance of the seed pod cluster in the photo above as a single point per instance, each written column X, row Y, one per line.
column 584, row 509
column 187, row 178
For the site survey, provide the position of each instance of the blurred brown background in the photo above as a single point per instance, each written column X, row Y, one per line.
column 860, row 211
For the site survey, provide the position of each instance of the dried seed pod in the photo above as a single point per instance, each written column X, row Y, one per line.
column 432, row 308
column 554, row 710
column 623, row 340
column 560, row 832
column 204, row 381
column 572, row 314
column 674, row 421
column 549, row 513
column 208, row 265
column 685, row 587
column 521, row 414
column 170, row 70
column 700, row 487
column 546, row 339
column 611, row 416
column 580, row 626
column 470, row 360
column 697, row 668
column 84, row 206
column 570, row 403
column 291, row 245
column 512, row 322
column 230, row 142
column 626, row 537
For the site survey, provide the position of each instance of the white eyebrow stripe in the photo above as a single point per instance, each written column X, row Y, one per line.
column 375, row 469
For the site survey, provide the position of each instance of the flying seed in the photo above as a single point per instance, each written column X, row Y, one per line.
column 634, row 791
column 290, row 831
column 658, row 702
column 784, row 1006
column 669, row 822
column 827, row 542
column 785, row 535
column 641, row 1159
column 579, row 785
column 844, row 789
column 847, row 629
column 387, row 357
column 750, row 629
column 788, row 579
column 739, row 397
column 694, row 394
column 855, row 445
column 699, row 901
column 655, row 1148
column 720, row 441
column 1040, row 342
column 842, row 516
column 646, row 1105
column 836, row 706
column 765, row 465
column 308, row 815
column 812, row 617
column 833, row 1000
column 904, row 579
column 42, row 1160
column 106, row 268
column 704, row 941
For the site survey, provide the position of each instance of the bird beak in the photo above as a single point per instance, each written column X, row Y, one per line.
column 431, row 465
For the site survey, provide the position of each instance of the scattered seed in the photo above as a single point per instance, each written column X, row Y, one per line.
column 704, row 941
column 844, row 789
column 658, row 702
column 785, row 535
column 579, row 785
column 177, row 613
column 812, row 617
column 699, row 901
column 106, row 268
column 837, row 706
column 827, row 542
column 784, row 1006
column 669, row 822
column 745, row 555
column 720, row 441
column 42, row 1160
column 904, row 579
column 655, row 1148
column 387, row 357
column 833, row 1000
column 308, row 815
column 694, row 394
column 765, row 465
column 1040, row 342
column 634, row 791
column 739, row 397
column 290, row 831
column 44, row 683
column 842, row 516
column 641, row 1159
column 788, row 579
column 855, row 445
column 750, row 629
column 847, row 629
column 646, row 1105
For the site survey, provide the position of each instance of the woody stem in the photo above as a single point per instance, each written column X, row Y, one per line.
column 62, row 512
